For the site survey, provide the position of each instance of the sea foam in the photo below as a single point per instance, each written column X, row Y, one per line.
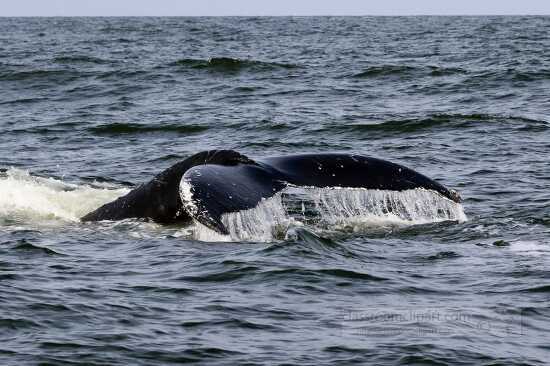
column 29, row 199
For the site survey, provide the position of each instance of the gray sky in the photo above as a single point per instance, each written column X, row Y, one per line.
column 268, row 7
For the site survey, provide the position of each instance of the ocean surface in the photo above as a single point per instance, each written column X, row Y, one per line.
column 91, row 107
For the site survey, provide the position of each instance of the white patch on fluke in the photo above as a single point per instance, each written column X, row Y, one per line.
column 186, row 194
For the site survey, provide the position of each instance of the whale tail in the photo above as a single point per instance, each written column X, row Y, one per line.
column 211, row 190
column 212, row 183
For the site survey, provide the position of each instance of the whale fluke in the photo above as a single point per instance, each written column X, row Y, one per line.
column 209, row 191
column 210, row 184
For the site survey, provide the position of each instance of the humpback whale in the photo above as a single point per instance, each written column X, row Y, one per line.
column 212, row 183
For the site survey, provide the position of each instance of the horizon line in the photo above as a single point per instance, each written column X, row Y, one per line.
column 274, row 16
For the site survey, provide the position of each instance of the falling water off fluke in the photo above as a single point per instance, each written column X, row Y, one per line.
column 334, row 209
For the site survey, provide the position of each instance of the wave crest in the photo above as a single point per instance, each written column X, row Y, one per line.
column 229, row 64
column 441, row 121
column 382, row 71
column 136, row 128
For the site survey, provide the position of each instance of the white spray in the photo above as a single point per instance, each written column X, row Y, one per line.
column 29, row 199
column 338, row 208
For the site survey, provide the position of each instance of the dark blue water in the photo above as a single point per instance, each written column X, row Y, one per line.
column 89, row 107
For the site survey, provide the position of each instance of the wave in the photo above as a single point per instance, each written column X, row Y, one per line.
column 230, row 323
column 471, row 77
column 47, row 129
column 228, row 64
column 530, row 75
column 410, row 125
column 444, row 255
column 24, row 245
column 121, row 74
column 312, row 245
column 405, row 70
column 346, row 209
column 384, row 70
column 242, row 270
column 537, row 289
column 445, row 71
column 25, row 101
column 29, row 199
column 32, row 75
column 510, row 74
column 135, row 128
column 80, row 59
column 17, row 323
